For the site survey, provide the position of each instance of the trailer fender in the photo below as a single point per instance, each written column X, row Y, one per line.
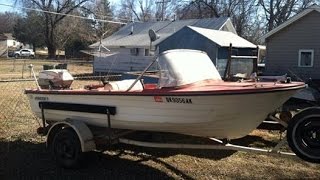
column 84, row 133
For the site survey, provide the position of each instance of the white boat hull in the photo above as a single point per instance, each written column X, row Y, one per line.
column 222, row 116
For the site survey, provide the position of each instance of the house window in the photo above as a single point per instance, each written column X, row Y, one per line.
column 146, row 52
column 134, row 51
column 305, row 58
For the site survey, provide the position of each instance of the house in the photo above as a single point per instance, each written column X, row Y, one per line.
column 130, row 46
column 216, row 44
column 12, row 42
column 294, row 46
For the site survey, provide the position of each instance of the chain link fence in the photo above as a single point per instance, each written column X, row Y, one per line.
column 16, row 76
column 16, row 117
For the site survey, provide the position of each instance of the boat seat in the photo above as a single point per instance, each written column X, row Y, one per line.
column 123, row 85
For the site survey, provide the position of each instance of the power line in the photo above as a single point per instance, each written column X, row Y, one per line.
column 63, row 14
column 105, row 16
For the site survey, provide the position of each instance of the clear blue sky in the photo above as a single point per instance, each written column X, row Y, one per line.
column 5, row 8
column 11, row 2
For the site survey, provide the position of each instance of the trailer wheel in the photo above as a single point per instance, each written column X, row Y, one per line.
column 303, row 135
column 66, row 148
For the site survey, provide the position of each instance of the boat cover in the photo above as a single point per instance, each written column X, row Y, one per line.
column 179, row 67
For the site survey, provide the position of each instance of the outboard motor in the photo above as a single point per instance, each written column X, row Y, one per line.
column 55, row 79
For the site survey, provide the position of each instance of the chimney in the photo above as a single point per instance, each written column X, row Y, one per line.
column 131, row 32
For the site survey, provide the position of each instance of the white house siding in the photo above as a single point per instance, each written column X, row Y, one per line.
column 13, row 43
column 120, row 60
column 283, row 48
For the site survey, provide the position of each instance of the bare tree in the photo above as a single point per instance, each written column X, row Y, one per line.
column 217, row 8
column 102, row 10
column 7, row 21
column 51, row 21
column 243, row 15
column 162, row 6
column 73, row 29
column 29, row 29
column 146, row 10
column 278, row 11
column 241, row 12
column 189, row 11
column 141, row 10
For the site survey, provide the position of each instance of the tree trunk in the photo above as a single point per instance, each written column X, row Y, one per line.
column 271, row 22
column 34, row 47
column 51, row 51
column 50, row 42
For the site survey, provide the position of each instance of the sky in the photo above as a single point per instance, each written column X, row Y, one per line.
column 5, row 8
column 115, row 1
column 11, row 2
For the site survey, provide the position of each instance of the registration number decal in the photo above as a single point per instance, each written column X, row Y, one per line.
column 41, row 98
column 179, row 100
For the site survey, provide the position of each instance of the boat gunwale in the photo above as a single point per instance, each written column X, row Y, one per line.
column 167, row 92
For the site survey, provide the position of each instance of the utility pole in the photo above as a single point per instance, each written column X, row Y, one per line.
column 162, row 2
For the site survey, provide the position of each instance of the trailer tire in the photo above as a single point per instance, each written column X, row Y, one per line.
column 303, row 135
column 66, row 148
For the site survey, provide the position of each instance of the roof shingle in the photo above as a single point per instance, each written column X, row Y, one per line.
column 224, row 38
column 139, row 36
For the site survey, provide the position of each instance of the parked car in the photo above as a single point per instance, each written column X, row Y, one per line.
column 11, row 53
column 24, row 53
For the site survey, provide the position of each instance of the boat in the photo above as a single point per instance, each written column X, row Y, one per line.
column 190, row 98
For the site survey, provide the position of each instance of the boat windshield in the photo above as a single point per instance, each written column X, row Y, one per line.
column 181, row 67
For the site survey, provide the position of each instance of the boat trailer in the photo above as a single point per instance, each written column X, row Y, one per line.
column 69, row 139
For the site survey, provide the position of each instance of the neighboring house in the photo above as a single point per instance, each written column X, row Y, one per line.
column 216, row 44
column 130, row 46
column 294, row 46
column 11, row 41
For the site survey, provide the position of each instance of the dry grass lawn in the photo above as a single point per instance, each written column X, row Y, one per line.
column 23, row 154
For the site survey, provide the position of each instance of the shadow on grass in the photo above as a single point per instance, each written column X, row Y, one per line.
column 256, row 141
column 28, row 160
